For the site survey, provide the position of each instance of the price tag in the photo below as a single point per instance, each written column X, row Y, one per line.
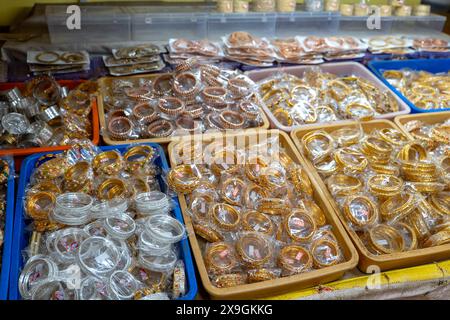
column 235, row 191
column 299, row 256
column 298, row 222
column 224, row 253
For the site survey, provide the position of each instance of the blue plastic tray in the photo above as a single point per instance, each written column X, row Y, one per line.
column 21, row 237
column 8, row 234
column 430, row 65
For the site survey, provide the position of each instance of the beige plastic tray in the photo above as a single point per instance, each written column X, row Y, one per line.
column 106, row 81
column 427, row 117
column 281, row 285
column 366, row 259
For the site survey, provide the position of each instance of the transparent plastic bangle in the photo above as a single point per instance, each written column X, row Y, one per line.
column 123, row 285
column 50, row 242
column 149, row 245
column 125, row 254
column 98, row 256
column 159, row 263
column 37, row 270
column 54, row 290
column 67, row 243
column 73, row 208
column 165, row 229
column 106, row 208
column 93, row 288
column 152, row 203
column 96, row 228
column 120, row 226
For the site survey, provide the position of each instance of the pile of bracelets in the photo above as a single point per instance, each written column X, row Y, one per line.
column 435, row 137
column 4, row 174
column 255, row 211
column 193, row 99
column 426, row 90
column 392, row 193
column 45, row 113
column 320, row 97
column 100, row 220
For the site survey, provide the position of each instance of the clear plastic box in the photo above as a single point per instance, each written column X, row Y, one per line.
column 414, row 24
column 98, row 24
column 364, row 25
column 306, row 23
column 258, row 24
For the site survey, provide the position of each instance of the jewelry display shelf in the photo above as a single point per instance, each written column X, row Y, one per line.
column 338, row 68
column 22, row 235
column 105, row 82
column 366, row 259
column 279, row 285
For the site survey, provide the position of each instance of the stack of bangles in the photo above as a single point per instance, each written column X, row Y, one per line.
column 193, row 99
column 392, row 191
column 4, row 176
column 425, row 90
column 319, row 97
column 104, row 213
column 256, row 213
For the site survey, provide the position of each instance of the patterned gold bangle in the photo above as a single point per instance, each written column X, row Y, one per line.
column 376, row 146
column 359, row 111
column 222, row 162
column 259, row 275
column 258, row 222
column 437, row 239
column 299, row 226
column 111, row 188
column 347, row 158
column 254, row 167
column 398, row 207
column 220, row 258
column 311, row 139
column 404, row 228
column 343, row 185
column 108, row 163
column 283, row 117
column 76, row 176
column 233, row 191
column 273, row 206
column 294, row 259
column 40, row 204
column 412, row 152
column 232, row 220
column 162, row 85
column 327, row 248
column 231, row 119
column 48, row 186
column 301, row 181
column 254, row 250
column 186, row 85
column 383, row 233
column 183, row 179
column 230, row 280
column 393, row 136
column 137, row 157
column 441, row 203
column 365, row 213
column 346, row 136
column 315, row 212
column 160, row 128
column 144, row 112
column 253, row 194
column 207, row 233
column 383, row 185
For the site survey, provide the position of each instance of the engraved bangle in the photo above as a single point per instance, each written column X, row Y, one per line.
column 253, row 249
column 300, row 226
column 365, row 213
column 171, row 106
column 120, row 128
column 231, row 119
column 218, row 212
column 220, row 258
column 144, row 112
column 160, row 128
column 295, row 259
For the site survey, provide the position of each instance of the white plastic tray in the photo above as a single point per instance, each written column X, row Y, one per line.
column 340, row 69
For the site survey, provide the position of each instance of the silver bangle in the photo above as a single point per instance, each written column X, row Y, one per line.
column 13, row 95
column 49, row 114
column 123, row 285
column 67, row 243
column 98, row 256
column 165, row 229
column 158, row 263
column 54, row 290
column 153, row 202
column 15, row 123
column 36, row 270
column 120, row 226
column 93, row 288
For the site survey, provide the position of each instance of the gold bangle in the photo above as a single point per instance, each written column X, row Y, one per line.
column 383, row 185
column 258, row 222
column 359, row 111
column 40, row 204
column 139, row 185
column 218, row 212
column 273, row 178
column 221, row 162
column 437, row 239
column 365, row 213
column 108, row 163
column 273, row 206
column 213, row 95
column 405, row 228
column 171, row 106
column 385, row 234
column 329, row 249
column 300, row 226
column 183, row 179
column 111, row 188
column 308, row 114
column 233, row 191
column 76, row 176
column 283, row 117
column 347, row 158
column 441, row 203
column 52, row 169
column 253, row 194
column 254, row 250
column 259, row 275
column 186, row 91
column 253, row 169
column 416, row 221
column 144, row 112
column 376, row 146
column 230, row 280
column 312, row 138
column 220, row 258
column 207, row 233
column 385, row 169
column 326, row 166
column 392, row 136
column 301, row 181
column 423, row 90
column 338, row 89
column 137, row 157
column 294, row 259
column 162, row 85
column 397, row 207
column 346, row 136
column 412, row 152
column 231, row 119
column 120, row 128
column 48, row 186
column 343, row 185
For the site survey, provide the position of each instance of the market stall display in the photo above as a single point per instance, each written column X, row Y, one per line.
column 194, row 99
column 99, row 218
column 392, row 194
column 255, row 215
column 43, row 114
column 6, row 221
column 294, row 96
column 422, row 83
column 57, row 62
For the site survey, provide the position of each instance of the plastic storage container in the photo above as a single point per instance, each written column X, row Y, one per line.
column 279, row 285
column 8, row 237
column 21, row 235
column 306, row 23
column 415, row 24
column 364, row 26
column 98, row 24
column 430, row 65
column 256, row 23
column 428, row 118
column 366, row 260
column 338, row 68
column 26, row 151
